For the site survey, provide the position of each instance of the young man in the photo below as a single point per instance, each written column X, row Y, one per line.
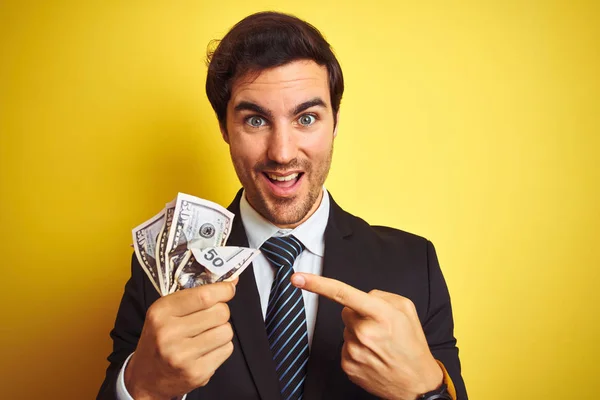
column 332, row 308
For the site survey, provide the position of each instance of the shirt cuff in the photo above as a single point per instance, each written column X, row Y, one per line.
column 447, row 381
column 122, row 393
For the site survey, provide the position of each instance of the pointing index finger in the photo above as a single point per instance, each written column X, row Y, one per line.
column 337, row 291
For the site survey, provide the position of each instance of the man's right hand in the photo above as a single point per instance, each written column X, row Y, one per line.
column 185, row 338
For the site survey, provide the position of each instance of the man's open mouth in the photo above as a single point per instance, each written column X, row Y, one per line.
column 284, row 180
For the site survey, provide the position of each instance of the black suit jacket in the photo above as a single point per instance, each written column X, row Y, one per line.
column 366, row 257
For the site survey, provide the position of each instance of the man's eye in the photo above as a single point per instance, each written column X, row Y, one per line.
column 307, row 120
column 256, row 122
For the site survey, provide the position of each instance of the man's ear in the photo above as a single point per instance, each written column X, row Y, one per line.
column 224, row 134
column 337, row 123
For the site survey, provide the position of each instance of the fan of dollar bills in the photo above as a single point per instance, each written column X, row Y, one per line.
column 183, row 246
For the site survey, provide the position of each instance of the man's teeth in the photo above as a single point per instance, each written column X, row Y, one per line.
column 283, row 178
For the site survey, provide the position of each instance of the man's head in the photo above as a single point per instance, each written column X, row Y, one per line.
column 276, row 88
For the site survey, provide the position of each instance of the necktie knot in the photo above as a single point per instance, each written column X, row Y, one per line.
column 282, row 251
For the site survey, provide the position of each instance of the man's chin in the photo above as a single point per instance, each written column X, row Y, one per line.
column 283, row 213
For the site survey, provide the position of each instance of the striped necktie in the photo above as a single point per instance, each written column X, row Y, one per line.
column 286, row 320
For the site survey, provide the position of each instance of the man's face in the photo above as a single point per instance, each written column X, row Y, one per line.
column 280, row 133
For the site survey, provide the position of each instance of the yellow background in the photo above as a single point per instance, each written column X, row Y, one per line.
column 475, row 124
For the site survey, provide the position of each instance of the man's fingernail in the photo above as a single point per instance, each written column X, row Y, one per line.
column 233, row 284
column 298, row 280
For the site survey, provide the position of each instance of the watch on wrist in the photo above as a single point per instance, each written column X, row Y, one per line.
column 440, row 393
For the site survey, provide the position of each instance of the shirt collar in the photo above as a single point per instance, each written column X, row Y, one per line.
column 311, row 232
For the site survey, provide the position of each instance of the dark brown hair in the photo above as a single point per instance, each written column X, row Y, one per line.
column 266, row 40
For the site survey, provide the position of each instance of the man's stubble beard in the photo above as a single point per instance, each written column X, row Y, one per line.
column 281, row 211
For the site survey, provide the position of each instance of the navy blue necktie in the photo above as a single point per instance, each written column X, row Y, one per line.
column 286, row 320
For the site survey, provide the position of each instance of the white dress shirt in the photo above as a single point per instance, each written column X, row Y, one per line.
column 312, row 235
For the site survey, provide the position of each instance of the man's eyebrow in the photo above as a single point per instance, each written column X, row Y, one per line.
column 249, row 106
column 317, row 101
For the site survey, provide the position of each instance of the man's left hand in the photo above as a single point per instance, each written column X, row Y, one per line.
column 385, row 350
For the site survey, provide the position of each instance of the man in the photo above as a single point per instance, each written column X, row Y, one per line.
column 332, row 308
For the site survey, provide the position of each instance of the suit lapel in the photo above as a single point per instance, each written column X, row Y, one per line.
column 247, row 319
column 339, row 263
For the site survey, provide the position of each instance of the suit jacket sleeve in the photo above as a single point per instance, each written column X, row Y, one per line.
column 127, row 329
column 439, row 324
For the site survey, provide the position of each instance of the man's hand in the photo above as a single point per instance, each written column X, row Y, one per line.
column 185, row 338
column 385, row 350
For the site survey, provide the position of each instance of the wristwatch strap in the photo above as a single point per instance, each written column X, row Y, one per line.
column 440, row 393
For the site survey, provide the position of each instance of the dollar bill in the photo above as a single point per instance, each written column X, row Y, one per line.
column 144, row 242
column 183, row 246
column 214, row 264
column 196, row 223
column 161, row 246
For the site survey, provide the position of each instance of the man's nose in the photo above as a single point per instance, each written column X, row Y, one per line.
column 282, row 146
